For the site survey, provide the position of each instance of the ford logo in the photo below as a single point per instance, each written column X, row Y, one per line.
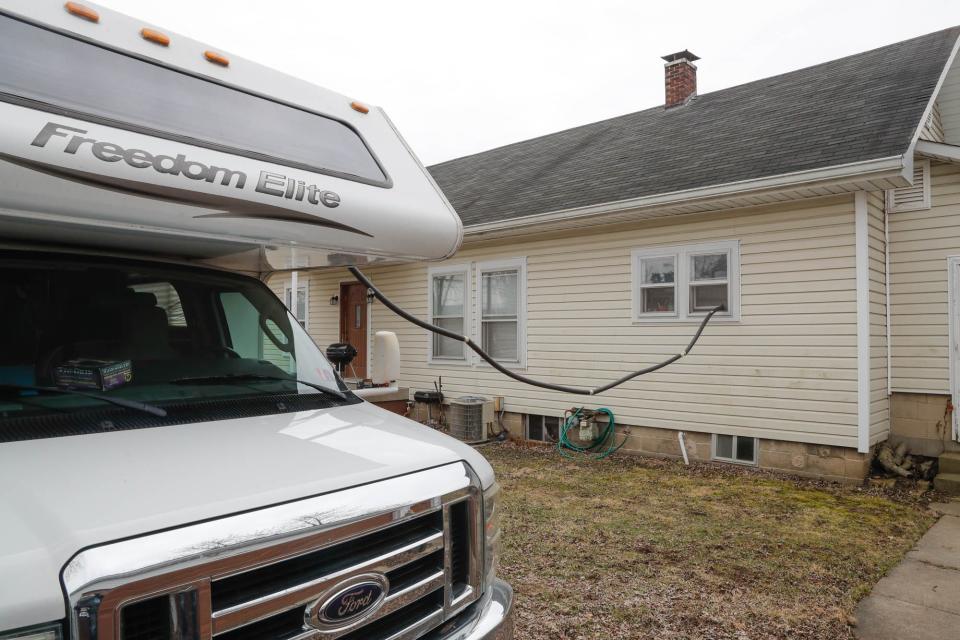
column 348, row 602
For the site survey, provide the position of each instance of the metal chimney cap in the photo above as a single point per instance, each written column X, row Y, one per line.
column 681, row 55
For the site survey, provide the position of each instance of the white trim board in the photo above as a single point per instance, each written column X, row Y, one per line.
column 953, row 348
column 939, row 151
column 862, row 234
column 933, row 99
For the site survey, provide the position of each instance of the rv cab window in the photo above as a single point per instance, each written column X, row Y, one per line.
column 178, row 339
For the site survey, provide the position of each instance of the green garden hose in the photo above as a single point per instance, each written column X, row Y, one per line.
column 598, row 448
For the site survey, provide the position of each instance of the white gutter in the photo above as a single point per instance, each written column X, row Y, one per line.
column 939, row 151
column 892, row 166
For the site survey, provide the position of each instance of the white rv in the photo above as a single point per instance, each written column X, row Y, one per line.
column 178, row 460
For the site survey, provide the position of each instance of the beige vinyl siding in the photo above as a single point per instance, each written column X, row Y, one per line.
column 879, row 399
column 270, row 351
column 920, row 242
column 933, row 128
column 787, row 370
column 948, row 101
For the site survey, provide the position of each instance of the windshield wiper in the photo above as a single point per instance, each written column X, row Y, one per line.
column 120, row 402
column 239, row 378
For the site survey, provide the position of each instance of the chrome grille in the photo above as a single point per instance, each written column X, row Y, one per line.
column 228, row 579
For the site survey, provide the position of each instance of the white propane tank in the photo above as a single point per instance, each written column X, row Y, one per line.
column 385, row 367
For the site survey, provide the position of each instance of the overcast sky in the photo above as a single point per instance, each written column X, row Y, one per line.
column 458, row 77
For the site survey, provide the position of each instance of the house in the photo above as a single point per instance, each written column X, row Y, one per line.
column 820, row 206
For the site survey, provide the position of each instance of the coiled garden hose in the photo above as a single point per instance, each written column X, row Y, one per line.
column 423, row 324
column 598, row 448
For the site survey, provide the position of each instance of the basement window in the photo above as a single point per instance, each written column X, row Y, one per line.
column 738, row 449
column 914, row 197
column 542, row 428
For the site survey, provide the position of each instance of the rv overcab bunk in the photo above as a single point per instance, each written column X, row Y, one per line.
column 172, row 442
column 157, row 150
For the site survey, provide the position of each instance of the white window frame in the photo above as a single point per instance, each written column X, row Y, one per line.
column 443, row 270
column 749, row 463
column 305, row 285
column 520, row 264
column 682, row 255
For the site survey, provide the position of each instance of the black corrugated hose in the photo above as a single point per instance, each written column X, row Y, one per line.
column 516, row 376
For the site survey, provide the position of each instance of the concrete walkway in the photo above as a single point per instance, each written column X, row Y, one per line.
column 920, row 598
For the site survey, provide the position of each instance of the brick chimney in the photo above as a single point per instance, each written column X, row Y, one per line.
column 680, row 78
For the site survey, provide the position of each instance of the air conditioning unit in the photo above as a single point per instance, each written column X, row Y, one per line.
column 471, row 418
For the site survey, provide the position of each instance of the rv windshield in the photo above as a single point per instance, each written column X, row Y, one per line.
column 189, row 344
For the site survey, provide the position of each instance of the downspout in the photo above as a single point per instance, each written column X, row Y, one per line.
column 862, row 260
column 886, row 300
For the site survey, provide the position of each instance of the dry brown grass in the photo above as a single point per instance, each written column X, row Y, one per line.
column 641, row 548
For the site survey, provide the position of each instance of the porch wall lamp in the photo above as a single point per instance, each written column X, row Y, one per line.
column 334, row 301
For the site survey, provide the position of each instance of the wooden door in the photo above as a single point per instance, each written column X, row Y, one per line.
column 353, row 326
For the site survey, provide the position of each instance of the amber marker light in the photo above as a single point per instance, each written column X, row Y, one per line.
column 359, row 106
column 82, row 12
column 155, row 36
column 217, row 58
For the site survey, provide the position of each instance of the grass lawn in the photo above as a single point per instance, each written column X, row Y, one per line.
column 642, row 548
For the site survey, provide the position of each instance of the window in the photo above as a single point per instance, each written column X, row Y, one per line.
column 542, row 428
column 708, row 281
column 739, row 449
column 243, row 325
column 658, row 289
column 448, row 309
column 89, row 308
column 914, row 197
column 93, row 83
column 167, row 299
column 501, row 305
column 686, row 282
column 303, row 305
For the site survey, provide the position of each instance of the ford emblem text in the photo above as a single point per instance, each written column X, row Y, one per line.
column 349, row 602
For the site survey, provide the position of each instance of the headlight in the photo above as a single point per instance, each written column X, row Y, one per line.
column 491, row 534
column 42, row 632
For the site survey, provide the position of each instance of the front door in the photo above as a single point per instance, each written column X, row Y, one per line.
column 353, row 326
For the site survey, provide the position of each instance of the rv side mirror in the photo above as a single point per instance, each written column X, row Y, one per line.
column 385, row 367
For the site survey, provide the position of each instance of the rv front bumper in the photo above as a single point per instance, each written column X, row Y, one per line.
column 495, row 620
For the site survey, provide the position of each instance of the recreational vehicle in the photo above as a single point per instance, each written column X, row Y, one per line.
column 178, row 459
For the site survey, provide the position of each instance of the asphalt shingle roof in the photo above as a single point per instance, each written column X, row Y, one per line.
column 862, row 107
